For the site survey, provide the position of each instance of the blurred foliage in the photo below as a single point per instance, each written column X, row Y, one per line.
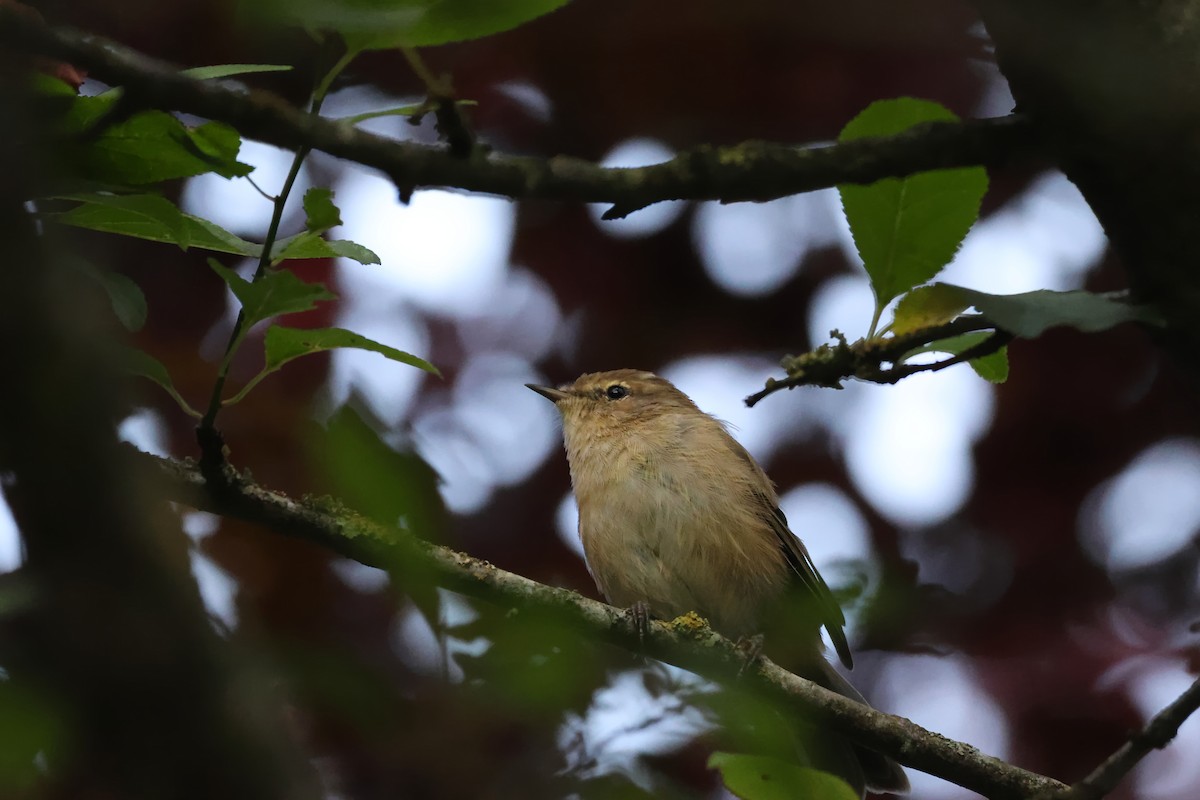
column 762, row 778
column 396, row 694
column 392, row 487
column 34, row 736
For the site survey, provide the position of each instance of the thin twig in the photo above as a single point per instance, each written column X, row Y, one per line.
column 212, row 446
column 830, row 364
column 992, row 344
column 1157, row 734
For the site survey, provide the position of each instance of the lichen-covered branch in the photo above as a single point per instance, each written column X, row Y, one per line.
column 830, row 364
column 685, row 642
column 749, row 171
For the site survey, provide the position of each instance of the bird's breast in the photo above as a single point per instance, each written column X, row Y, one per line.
column 659, row 528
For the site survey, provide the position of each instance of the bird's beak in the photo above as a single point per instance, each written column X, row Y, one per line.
column 553, row 395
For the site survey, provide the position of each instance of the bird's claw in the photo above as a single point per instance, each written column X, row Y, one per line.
column 750, row 648
column 638, row 615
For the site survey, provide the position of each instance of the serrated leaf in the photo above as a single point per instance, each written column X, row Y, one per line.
column 1030, row 314
column 152, row 217
column 907, row 229
column 310, row 245
column 951, row 344
column 277, row 292
column 142, row 364
column 287, row 344
column 927, row 306
column 230, row 70
column 149, row 147
column 142, row 216
column 86, row 109
column 319, row 211
column 765, row 778
column 352, row 250
column 993, row 368
column 218, row 144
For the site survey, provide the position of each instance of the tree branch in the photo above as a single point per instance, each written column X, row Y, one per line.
column 830, row 364
column 748, row 171
column 685, row 642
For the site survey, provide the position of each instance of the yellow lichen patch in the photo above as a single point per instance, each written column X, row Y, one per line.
column 690, row 623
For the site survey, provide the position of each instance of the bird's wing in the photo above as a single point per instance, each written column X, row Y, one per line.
column 830, row 613
column 826, row 606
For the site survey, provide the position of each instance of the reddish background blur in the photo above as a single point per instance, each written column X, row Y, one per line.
column 1059, row 643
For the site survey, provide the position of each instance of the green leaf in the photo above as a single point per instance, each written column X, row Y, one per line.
column 128, row 301
column 35, row 729
column 907, row 229
column 392, row 487
column 310, row 245
column 765, row 778
column 400, row 111
column 142, row 364
column 321, row 215
column 1030, row 314
column 149, row 147
column 287, row 344
column 50, row 85
column 218, row 144
column 320, row 212
column 149, row 216
column 85, row 110
column 992, row 367
column 230, row 70
column 458, row 20
column 352, row 250
column 142, row 216
column 927, row 306
column 382, row 24
column 276, row 292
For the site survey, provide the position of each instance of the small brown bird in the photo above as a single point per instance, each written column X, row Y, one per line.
column 676, row 515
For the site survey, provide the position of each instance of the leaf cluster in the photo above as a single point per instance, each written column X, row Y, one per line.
column 906, row 231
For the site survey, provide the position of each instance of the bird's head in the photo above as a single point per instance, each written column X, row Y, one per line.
column 603, row 403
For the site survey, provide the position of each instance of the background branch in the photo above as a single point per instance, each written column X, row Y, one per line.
column 748, row 171
column 684, row 642
column 1157, row 734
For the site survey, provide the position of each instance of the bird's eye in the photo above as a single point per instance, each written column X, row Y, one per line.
column 615, row 392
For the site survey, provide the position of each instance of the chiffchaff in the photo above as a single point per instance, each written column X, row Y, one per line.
column 676, row 515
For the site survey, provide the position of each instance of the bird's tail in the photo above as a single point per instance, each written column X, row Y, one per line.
column 880, row 773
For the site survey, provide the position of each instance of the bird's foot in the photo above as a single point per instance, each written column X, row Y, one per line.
column 638, row 615
column 750, row 648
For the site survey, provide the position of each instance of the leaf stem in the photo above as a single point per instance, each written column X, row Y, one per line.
column 875, row 320
column 264, row 260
